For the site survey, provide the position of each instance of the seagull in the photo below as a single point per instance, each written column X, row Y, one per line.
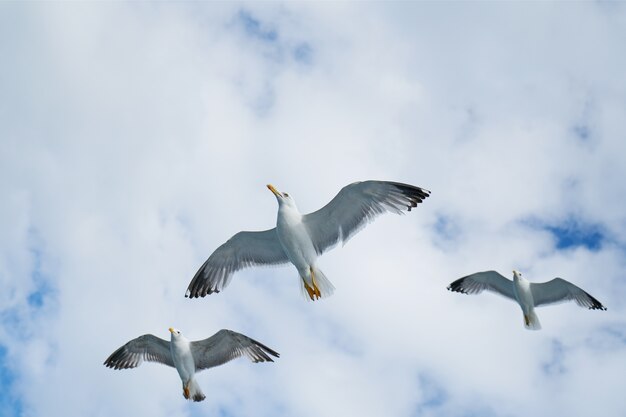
column 527, row 294
column 189, row 357
column 301, row 238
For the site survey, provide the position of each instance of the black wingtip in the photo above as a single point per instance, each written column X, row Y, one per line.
column 595, row 304
column 457, row 286
column 415, row 194
column 200, row 293
column 269, row 351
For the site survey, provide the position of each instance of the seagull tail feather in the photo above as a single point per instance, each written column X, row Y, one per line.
column 531, row 321
column 194, row 392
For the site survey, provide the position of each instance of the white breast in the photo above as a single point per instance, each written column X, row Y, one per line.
column 183, row 360
column 295, row 238
column 523, row 294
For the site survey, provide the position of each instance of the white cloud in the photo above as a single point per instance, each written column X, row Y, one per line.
column 136, row 138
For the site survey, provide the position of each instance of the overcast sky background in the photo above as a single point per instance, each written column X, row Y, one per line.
column 135, row 138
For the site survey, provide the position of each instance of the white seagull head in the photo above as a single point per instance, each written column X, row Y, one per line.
column 175, row 333
column 517, row 274
column 282, row 198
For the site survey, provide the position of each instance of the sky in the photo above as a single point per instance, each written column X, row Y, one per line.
column 137, row 137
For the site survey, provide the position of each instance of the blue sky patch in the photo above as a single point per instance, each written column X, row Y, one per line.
column 447, row 232
column 254, row 28
column 572, row 232
column 8, row 403
column 43, row 288
column 582, row 131
column 447, row 228
column 434, row 395
column 38, row 297
column 555, row 365
column 303, row 53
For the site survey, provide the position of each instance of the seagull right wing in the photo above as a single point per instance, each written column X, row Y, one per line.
column 356, row 205
column 559, row 290
column 242, row 250
column 487, row 280
column 147, row 347
column 227, row 345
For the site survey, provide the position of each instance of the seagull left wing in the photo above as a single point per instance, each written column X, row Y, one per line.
column 487, row 280
column 356, row 205
column 147, row 347
column 240, row 251
column 559, row 290
column 227, row 345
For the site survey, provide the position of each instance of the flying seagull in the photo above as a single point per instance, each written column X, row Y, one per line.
column 301, row 238
column 527, row 294
column 189, row 357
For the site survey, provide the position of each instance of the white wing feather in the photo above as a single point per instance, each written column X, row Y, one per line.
column 227, row 345
column 242, row 250
column 356, row 205
column 147, row 347
column 560, row 290
column 480, row 281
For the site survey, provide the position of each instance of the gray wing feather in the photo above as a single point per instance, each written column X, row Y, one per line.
column 242, row 250
column 227, row 345
column 356, row 205
column 559, row 290
column 147, row 347
column 480, row 281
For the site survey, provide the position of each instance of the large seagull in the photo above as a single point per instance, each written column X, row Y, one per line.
column 189, row 357
column 301, row 238
column 527, row 294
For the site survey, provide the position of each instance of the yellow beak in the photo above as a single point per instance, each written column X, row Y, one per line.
column 274, row 190
column 171, row 329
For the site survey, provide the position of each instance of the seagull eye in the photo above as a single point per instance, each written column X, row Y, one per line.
column 285, row 195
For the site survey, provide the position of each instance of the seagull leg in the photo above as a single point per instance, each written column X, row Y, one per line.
column 309, row 290
column 186, row 391
column 526, row 320
column 316, row 290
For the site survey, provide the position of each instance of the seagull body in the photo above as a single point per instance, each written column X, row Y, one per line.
column 527, row 294
column 301, row 238
column 180, row 349
column 298, row 246
column 189, row 357
column 524, row 297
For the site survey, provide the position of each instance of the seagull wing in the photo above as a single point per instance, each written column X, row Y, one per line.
column 242, row 250
column 227, row 345
column 487, row 280
column 559, row 290
column 147, row 347
column 355, row 206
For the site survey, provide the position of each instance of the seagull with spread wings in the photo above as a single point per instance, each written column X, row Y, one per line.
column 527, row 294
column 301, row 238
column 189, row 357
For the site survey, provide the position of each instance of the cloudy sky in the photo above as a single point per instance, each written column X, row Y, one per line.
column 135, row 138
